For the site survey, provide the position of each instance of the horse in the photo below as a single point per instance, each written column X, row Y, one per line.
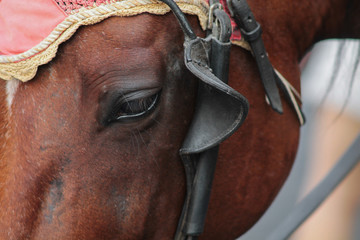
column 73, row 167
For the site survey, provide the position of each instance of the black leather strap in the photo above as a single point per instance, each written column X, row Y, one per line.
column 220, row 110
column 204, row 163
column 180, row 16
column 251, row 31
column 221, row 45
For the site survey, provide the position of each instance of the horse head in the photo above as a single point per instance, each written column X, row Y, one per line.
column 74, row 157
column 90, row 146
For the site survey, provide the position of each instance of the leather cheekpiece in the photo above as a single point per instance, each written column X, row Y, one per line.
column 222, row 108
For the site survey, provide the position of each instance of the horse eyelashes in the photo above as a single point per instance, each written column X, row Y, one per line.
column 127, row 109
column 137, row 106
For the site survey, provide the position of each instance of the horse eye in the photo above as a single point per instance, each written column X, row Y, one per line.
column 132, row 109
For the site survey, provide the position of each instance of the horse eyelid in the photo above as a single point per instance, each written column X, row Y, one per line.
column 127, row 102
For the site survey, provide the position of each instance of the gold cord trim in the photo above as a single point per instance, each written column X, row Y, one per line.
column 24, row 66
column 242, row 43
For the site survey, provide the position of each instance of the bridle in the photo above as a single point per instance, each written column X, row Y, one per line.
column 221, row 110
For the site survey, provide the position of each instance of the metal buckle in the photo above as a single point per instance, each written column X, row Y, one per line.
column 211, row 14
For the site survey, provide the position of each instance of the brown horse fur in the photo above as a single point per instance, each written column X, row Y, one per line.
column 66, row 174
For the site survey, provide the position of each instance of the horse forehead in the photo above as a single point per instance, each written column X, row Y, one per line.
column 123, row 43
column 139, row 31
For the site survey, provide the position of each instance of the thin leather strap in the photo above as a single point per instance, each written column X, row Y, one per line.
column 180, row 16
column 251, row 31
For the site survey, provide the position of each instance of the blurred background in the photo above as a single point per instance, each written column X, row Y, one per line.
column 330, row 89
